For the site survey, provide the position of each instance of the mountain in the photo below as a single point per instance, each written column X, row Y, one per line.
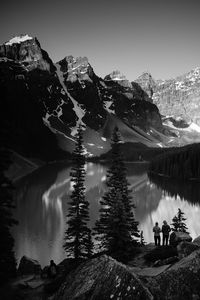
column 25, row 70
column 178, row 101
column 180, row 96
column 44, row 102
column 147, row 83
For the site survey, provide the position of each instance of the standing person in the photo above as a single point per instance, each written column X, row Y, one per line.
column 52, row 271
column 165, row 231
column 156, row 230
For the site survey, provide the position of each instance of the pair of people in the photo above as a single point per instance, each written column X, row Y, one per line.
column 165, row 231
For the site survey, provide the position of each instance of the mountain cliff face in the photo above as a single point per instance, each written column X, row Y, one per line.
column 178, row 101
column 45, row 101
column 147, row 83
column 180, row 97
column 27, row 50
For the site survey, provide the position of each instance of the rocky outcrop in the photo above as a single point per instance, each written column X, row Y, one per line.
column 186, row 248
column 167, row 261
column 102, row 278
column 179, row 282
column 117, row 76
column 28, row 266
column 28, row 52
column 177, row 237
column 147, row 83
column 197, row 241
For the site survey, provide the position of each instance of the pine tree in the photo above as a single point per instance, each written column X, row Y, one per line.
column 116, row 227
column 76, row 234
column 178, row 222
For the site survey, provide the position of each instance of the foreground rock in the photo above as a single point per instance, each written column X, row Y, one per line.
column 28, row 266
column 102, row 278
column 177, row 237
column 179, row 282
column 197, row 241
column 186, row 248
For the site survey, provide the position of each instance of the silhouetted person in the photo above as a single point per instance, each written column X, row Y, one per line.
column 165, row 231
column 52, row 271
column 156, row 230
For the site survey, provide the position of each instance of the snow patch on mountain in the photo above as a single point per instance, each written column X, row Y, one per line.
column 107, row 106
column 46, row 120
column 19, row 39
column 192, row 127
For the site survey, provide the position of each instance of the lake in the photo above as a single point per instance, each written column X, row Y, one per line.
column 42, row 202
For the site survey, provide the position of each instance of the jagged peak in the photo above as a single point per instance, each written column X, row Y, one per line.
column 75, row 61
column 145, row 75
column 19, row 39
column 116, row 75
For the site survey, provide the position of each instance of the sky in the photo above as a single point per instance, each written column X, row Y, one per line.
column 161, row 37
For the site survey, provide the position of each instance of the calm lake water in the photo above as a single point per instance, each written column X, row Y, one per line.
column 42, row 202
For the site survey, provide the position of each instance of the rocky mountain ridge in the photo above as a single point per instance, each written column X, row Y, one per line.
column 177, row 97
column 68, row 93
column 180, row 96
column 178, row 102
column 63, row 95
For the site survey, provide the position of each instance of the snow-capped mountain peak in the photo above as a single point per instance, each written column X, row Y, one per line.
column 19, row 39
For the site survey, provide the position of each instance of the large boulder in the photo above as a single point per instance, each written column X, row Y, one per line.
column 197, row 241
column 177, row 237
column 28, row 266
column 180, row 282
column 102, row 278
column 186, row 248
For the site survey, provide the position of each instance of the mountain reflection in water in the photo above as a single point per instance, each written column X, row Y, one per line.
column 42, row 201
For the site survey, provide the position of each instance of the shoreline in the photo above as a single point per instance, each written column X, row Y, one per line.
column 176, row 178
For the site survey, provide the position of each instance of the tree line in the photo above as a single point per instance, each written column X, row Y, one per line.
column 182, row 163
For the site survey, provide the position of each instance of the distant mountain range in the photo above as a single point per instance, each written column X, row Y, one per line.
column 43, row 103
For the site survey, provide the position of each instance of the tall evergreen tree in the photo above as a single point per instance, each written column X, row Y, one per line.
column 76, row 235
column 178, row 222
column 116, row 227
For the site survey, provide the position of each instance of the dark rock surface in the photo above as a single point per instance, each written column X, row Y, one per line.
column 179, row 282
column 167, row 261
column 147, row 83
column 28, row 52
column 177, row 237
column 197, row 241
column 28, row 266
column 186, row 248
column 102, row 278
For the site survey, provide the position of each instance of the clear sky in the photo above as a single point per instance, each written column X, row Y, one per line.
column 159, row 36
